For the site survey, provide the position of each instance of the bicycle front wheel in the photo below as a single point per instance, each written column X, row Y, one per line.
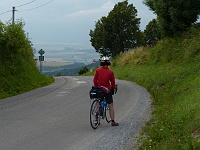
column 94, row 114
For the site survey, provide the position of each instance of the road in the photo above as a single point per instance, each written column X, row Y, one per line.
column 56, row 117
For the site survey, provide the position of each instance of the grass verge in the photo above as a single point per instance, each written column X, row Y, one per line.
column 175, row 99
column 171, row 73
column 20, row 76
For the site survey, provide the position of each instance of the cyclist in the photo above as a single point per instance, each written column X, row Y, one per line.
column 105, row 77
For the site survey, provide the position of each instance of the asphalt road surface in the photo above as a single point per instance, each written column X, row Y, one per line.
column 56, row 117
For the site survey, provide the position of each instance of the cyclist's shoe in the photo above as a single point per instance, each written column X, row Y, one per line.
column 114, row 124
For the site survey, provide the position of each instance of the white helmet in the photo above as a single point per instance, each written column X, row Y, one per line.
column 105, row 61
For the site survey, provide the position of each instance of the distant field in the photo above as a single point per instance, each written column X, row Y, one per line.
column 54, row 64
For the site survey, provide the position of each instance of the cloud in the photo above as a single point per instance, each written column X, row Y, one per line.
column 89, row 14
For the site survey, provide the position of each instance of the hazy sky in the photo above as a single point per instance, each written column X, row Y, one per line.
column 64, row 23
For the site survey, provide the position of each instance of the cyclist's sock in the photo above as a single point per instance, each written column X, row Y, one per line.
column 113, row 120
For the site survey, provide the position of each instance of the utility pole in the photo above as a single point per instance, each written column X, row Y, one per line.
column 13, row 16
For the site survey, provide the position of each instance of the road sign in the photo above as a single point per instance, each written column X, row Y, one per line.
column 41, row 58
column 41, row 52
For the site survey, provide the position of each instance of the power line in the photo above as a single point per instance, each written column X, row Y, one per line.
column 18, row 6
column 13, row 10
column 5, row 12
column 37, row 6
column 26, row 3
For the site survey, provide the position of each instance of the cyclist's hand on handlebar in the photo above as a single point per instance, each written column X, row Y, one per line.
column 115, row 90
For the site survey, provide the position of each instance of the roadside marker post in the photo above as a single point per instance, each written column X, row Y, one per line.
column 41, row 58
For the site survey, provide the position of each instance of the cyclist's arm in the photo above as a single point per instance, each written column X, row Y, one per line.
column 112, row 80
column 95, row 81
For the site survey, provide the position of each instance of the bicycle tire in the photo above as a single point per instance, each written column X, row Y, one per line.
column 107, row 114
column 94, row 116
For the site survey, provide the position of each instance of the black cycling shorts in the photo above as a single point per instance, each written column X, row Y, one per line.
column 109, row 97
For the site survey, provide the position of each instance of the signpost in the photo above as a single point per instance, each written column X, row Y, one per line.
column 41, row 58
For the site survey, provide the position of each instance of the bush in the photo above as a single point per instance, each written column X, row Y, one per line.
column 83, row 70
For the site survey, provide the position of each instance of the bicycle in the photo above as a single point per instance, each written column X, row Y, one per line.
column 98, row 109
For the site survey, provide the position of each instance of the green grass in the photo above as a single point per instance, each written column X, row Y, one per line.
column 20, row 76
column 171, row 73
column 175, row 99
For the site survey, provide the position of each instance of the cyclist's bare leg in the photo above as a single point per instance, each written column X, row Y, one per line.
column 111, row 111
column 112, row 115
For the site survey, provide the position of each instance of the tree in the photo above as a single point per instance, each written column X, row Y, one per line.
column 83, row 70
column 152, row 33
column 175, row 16
column 117, row 32
column 13, row 41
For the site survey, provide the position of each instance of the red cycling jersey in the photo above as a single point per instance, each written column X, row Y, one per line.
column 104, row 77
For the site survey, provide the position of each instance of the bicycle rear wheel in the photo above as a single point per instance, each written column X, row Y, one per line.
column 107, row 114
column 94, row 114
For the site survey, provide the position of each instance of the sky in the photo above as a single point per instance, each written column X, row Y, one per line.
column 55, row 24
